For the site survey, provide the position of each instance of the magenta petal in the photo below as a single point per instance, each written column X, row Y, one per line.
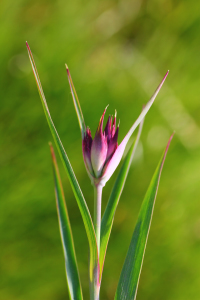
column 112, row 145
column 99, row 149
column 107, row 129
column 113, row 125
column 113, row 163
column 98, row 153
column 86, row 147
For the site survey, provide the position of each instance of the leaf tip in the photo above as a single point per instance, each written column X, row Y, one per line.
column 52, row 152
column 166, row 149
column 166, row 75
column 67, row 69
column 163, row 79
column 28, row 48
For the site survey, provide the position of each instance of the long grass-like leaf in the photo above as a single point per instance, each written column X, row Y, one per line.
column 129, row 278
column 117, row 155
column 76, row 103
column 73, row 280
column 87, row 220
column 108, row 217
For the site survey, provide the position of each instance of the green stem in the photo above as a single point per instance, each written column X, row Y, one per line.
column 97, row 213
column 97, row 226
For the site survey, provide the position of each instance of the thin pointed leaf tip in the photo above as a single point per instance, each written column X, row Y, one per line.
column 102, row 154
column 76, row 103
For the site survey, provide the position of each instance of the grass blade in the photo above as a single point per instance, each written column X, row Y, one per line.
column 76, row 103
column 108, row 217
column 66, row 236
column 87, row 220
column 117, row 155
column 129, row 278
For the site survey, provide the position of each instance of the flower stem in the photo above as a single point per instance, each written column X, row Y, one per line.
column 97, row 226
column 97, row 213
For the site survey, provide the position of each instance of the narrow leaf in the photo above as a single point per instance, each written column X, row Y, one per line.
column 129, row 278
column 73, row 280
column 108, row 217
column 76, row 103
column 87, row 220
column 116, row 158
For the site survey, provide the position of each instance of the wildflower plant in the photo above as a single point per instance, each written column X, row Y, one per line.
column 101, row 155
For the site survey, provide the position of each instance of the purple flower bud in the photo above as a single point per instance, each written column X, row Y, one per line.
column 98, row 152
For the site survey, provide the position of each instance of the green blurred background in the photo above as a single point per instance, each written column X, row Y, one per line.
column 117, row 52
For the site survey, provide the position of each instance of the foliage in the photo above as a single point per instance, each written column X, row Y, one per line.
column 95, row 154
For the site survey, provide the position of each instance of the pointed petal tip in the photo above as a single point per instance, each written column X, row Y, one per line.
column 104, row 111
column 100, row 126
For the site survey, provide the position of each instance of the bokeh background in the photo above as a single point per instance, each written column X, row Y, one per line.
column 117, row 52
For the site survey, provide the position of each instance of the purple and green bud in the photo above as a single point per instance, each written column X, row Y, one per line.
column 97, row 152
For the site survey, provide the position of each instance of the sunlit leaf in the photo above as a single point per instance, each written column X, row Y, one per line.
column 87, row 220
column 129, row 278
column 76, row 103
column 117, row 155
column 66, row 236
column 108, row 217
